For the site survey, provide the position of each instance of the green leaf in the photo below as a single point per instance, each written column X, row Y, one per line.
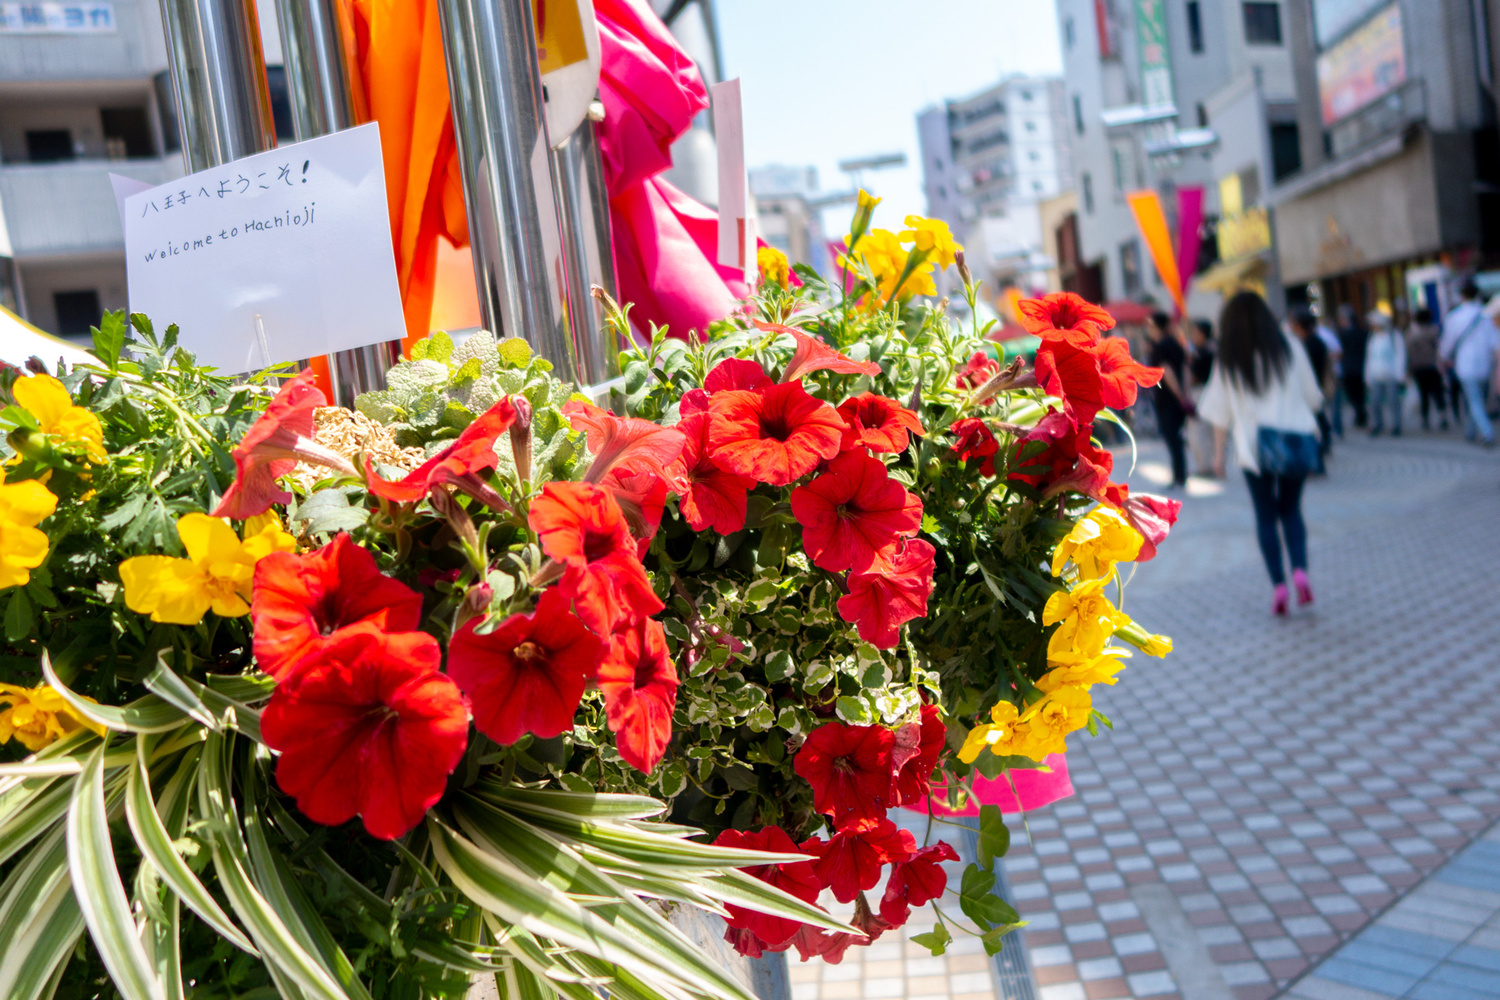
column 979, row 902
column 19, row 623
column 994, row 836
column 935, row 941
column 32, row 815
column 164, row 682
column 99, row 891
column 155, row 844
column 854, row 710
column 150, row 714
column 109, row 339
column 32, row 895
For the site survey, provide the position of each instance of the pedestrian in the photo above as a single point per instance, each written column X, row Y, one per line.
column 1335, row 405
column 1422, row 364
column 1169, row 398
column 1303, row 325
column 1385, row 372
column 1263, row 393
column 1469, row 348
column 1353, row 337
column 1200, row 366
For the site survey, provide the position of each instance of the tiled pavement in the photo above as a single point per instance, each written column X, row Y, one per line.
column 1284, row 781
column 1440, row 942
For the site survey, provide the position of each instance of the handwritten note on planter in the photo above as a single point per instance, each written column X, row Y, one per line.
column 276, row 257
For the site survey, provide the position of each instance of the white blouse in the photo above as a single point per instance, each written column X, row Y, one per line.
column 1288, row 403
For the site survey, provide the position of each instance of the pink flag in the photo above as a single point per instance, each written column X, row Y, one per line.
column 1189, row 222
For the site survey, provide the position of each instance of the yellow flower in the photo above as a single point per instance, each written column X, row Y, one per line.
column 1157, row 645
column 1096, row 543
column 773, row 265
column 887, row 260
column 1046, row 723
column 997, row 736
column 45, row 398
column 863, row 213
column 23, row 547
column 933, row 237
column 1151, row 645
column 1069, row 669
column 38, row 716
column 216, row 574
column 1087, row 616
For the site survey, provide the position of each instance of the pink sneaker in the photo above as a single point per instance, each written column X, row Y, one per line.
column 1280, row 600
column 1304, row 588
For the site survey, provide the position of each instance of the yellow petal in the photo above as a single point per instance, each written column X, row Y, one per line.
column 27, row 502
column 207, row 538
column 44, row 398
column 22, row 549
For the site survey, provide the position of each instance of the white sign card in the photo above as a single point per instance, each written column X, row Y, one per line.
column 275, row 257
column 736, row 220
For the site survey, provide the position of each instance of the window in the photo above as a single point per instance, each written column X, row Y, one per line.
column 1130, row 267
column 1262, row 23
column 281, row 104
column 942, row 191
column 76, row 311
column 1031, row 126
column 127, row 132
column 1202, row 115
column 1195, row 28
column 49, row 145
column 1025, row 95
column 1077, row 114
column 1034, row 158
column 1088, row 194
column 1117, row 159
column 1286, row 150
column 1068, row 33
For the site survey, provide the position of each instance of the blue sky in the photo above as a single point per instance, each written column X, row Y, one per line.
column 827, row 80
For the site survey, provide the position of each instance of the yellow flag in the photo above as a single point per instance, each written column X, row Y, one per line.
column 1152, row 223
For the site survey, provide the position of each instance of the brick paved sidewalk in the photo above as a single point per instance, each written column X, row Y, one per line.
column 1274, row 784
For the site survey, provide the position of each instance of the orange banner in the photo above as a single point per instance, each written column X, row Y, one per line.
column 1152, row 223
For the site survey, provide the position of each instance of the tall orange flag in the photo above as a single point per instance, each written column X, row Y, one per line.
column 1152, row 223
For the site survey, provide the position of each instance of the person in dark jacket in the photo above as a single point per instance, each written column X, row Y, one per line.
column 1170, row 395
column 1354, row 338
column 1304, row 326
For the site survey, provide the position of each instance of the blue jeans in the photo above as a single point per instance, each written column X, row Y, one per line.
column 1336, row 408
column 1278, row 499
column 1385, row 395
column 1476, row 418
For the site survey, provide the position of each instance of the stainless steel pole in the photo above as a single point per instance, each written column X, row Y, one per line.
column 219, row 75
column 318, row 81
column 501, row 133
column 586, row 244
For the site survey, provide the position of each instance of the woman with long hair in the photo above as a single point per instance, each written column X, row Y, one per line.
column 1264, row 394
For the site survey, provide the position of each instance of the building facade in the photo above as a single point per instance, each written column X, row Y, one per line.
column 1168, row 95
column 1396, row 100
column 787, row 213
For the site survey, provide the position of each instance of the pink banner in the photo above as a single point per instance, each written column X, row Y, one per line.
column 1189, row 224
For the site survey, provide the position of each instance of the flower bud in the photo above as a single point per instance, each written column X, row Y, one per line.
column 520, row 437
column 476, row 602
column 963, row 269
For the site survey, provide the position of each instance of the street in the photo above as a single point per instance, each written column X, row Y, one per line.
column 1274, row 785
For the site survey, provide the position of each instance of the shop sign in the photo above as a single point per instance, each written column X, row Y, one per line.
column 1365, row 66
column 1156, row 56
column 57, row 18
column 1246, row 233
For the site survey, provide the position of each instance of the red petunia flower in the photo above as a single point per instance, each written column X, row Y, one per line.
column 458, row 465
column 642, row 497
column 850, row 862
column 272, row 447
column 1070, row 459
column 1066, row 316
column 977, row 371
column 528, row 675
column 812, row 355
column 1151, row 515
column 853, row 514
column 774, row 436
column 916, row 881
column 796, row 878
column 830, row 946
column 849, row 768
column 1071, row 373
column 1120, row 374
column 368, row 728
column 880, row 603
column 623, row 441
column 915, row 753
column 737, row 373
column 878, row 423
column 581, row 526
column 974, row 439
column 710, row 497
column 640, row 690
column 299, row 600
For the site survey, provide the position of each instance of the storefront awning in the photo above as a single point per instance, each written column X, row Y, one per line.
column 19, row 340
column 1234, row 275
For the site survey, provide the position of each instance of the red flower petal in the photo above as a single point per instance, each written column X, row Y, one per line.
column 1065, row 313
column 851, row 861
column 796, row 878
column 272, row 447
column 812, row 355
column 737, row 373
column 977, row 371
column 1071, row 373
column 775, row 436
column 710, row 497
column 639, row 684
column 300, row 599
column 528, row 675
column 1151, row 515
column 368, row 727
column 974, row 439
column 471, row 453
column 623, row 441
column 1070, row 459
column 642, row 497
column 1120, row 374
column 916, row 881
column 915, row 753
column 878, row 423
column 852, row 515
column 880, row 603
column 850, row 770
column 581, row 526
